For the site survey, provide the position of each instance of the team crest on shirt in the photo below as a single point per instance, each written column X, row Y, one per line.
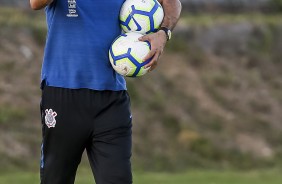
column 50, row 120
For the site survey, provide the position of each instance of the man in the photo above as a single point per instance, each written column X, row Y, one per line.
column 84, row 101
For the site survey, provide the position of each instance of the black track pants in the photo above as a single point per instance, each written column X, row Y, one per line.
column 77, row 119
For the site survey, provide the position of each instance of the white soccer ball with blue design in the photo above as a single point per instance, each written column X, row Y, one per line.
column 127, row 54
column 142, row 16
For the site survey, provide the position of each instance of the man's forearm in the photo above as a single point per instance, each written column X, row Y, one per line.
column 172, row 9
column 39, row 4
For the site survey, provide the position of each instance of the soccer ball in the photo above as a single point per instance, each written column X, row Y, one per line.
column 142, row 16
column 127, row 53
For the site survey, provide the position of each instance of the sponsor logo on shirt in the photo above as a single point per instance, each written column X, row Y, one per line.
column 72, row 8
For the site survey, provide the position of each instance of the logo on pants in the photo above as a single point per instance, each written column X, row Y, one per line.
column 50, row 120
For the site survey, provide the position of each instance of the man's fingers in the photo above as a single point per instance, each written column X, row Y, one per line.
column 154, row 54
column 144, row 38
column 154, row 65
column 154, row 60
column 150, row 55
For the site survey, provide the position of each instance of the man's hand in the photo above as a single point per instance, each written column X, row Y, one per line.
column 158, row 41
column 172, row 9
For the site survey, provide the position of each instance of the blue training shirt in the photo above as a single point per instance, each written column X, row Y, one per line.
column 80, row 33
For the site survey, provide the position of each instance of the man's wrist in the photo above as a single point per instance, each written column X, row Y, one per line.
column 162, row 32
column 166, row 31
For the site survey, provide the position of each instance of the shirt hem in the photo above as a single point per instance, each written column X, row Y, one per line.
column 85, row 86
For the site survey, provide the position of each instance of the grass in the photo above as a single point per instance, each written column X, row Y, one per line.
column 193, row 177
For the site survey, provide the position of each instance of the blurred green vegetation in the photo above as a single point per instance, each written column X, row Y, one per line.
column 211, row 19
column 26, row 20
column 277, row 4
column 8, row 114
